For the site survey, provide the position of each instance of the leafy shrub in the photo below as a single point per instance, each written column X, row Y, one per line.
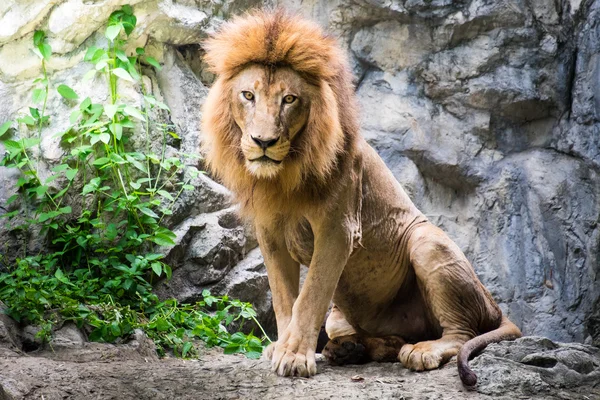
column 103, row 257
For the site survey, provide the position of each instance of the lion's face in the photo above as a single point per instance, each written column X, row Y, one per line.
column 271, row 107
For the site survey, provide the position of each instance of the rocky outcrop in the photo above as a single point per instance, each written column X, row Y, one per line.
column 488, row 112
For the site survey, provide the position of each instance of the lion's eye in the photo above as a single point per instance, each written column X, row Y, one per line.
column 248, row 95
column 289, row 99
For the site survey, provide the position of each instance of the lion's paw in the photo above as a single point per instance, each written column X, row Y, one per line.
column 421, row 356
column 268, row 352
column 293, row 358
column 345, row 350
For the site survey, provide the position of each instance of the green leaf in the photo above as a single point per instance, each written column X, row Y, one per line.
column 139, row 51
column 38, row 95
column 11, row 199
column 35, row 113
column 134, row 112
column 70, row 174
column 162, row 240
column 51, row 178
column 89, row 54
column 38, row 37
column 61, row 276
column 187, row 346
column 153, row 62
column 85, row 104
column 27, row 120
column 136, row 163
column 232, row 348
column 30, row 142
column 121, row 73
column 165, row 194
column 127, row 284
column 148, row 212
column 117, row 158
column 173, row 135
column 65, row 210
column 100, row 65
column 104, row 137
column 11, row 145
column 115, row 329
column 66, row 92
column 101, row 161
column 110, row 110
column 74, row 116
column 129, row 22
column 4, row 127
column 122, row 56
column 157, row 268
column 59, row 194
column 135, row 185
column 132, row 71
column 45, row 50
column 162, row 325
column 61, row 167
column 117, row 130
column 112, row 31
column 46, row 216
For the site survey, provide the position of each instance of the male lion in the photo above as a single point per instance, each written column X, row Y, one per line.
column 281, row 131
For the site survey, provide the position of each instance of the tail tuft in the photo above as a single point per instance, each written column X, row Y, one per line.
column 467, row 376
column 506, row 331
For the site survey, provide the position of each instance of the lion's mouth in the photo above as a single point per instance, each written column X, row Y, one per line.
column 266, row 159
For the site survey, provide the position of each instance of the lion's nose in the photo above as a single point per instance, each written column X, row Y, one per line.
column 265, row 143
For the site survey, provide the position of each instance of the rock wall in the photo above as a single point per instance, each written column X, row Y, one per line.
column 488, row 112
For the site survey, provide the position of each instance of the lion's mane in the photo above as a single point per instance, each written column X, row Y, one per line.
column 319, row 152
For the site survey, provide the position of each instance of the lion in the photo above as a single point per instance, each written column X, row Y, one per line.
column 281, row 131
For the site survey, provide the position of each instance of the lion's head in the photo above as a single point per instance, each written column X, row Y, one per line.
column 270, row 108
column 280, row 117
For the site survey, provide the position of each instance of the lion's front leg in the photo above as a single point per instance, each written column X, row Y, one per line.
column 294, row 351
column 284, row 279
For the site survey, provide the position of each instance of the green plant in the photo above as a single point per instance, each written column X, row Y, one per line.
column 103, row 256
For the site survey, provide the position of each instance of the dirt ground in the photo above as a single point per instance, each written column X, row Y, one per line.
column 96, row 371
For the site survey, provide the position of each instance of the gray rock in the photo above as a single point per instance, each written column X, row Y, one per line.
column 68, row 335
column 248, row 282
column 207, row 248
column 536, row 366
column 10, row 341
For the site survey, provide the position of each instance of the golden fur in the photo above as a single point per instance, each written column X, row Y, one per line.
column 324, row 198
column 277, row 39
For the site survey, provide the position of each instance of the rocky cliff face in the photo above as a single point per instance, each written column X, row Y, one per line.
column 488, row 112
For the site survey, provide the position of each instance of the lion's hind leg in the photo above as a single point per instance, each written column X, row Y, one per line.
column 357, row 349
column 453, row 294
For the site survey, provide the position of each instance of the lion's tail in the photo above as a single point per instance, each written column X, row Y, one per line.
column 506, row 331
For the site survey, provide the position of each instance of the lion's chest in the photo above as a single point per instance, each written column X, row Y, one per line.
column 299, row 238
